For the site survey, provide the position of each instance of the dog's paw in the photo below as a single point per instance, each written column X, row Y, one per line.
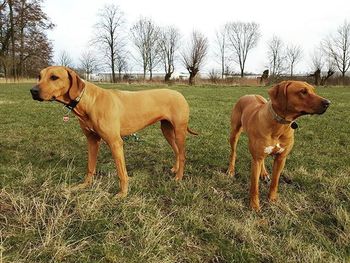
column 255, row 205
column 174, row 170
column 178, row 177
column 265, row 177
column 121, row 195
column 272, row 198
column 230, row 172
column 78, row 187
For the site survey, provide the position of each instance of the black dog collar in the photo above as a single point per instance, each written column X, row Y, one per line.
column 75, row 102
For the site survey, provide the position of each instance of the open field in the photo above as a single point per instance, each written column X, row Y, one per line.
column 204, row 218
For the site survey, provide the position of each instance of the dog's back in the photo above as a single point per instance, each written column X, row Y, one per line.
column 245, row 108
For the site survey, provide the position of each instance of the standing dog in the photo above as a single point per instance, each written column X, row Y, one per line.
column 110, row 114
column 269, row 126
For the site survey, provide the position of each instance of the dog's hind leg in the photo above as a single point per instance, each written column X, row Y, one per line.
column 264, row 175
column 180, row 138
column 236, row 129
column 169, row 134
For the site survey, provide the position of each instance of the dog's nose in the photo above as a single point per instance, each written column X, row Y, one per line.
column 326, row 103
column 35, row 93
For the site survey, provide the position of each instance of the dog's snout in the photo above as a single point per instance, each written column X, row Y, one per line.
column 35, row 91
column 326, row 103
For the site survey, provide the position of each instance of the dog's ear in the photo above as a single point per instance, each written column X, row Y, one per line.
column 278, row 93
column 273, row 92
column 76, row 84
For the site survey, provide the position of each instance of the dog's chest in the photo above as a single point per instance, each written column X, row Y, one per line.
column 274, row 149
column 87, row 125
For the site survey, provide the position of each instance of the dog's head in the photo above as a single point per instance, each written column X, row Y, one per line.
column 296, row 98
column 57, row 83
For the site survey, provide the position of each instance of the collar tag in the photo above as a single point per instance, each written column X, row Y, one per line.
column 66, row 115
column 294, row 125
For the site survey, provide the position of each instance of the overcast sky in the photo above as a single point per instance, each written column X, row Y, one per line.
column 302, row 22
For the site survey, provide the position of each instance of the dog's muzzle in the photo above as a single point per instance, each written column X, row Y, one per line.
column 324, row 106
column 35, row 93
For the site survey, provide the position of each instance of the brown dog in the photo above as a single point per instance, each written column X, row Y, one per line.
column 111, row 114
column 269, row 128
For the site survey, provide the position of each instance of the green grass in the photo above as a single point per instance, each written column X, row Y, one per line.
column 204, row 218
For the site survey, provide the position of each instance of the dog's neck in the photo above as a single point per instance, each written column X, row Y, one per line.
column 276, row 117
column 68, row 102
column 279, row 119
column 73, row 103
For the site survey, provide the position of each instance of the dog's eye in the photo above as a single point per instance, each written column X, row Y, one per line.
column 53, row 77
column 303, row 92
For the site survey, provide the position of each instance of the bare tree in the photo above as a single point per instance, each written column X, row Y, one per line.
column 24, row 46
column 221, row 41
column 294, row 54
column 317, row 59
column 321, row 62
column 317, row 64
column 275, row 56
column 88, row 63
column 169, row 44
column 145, row 34
column 109, row 35
column 193, row 56
column 242, row 38
column 122, row 63
column 64, row 59
column 12, row 34
column 338, row 47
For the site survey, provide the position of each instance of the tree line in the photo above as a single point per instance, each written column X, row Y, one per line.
column 24, row 47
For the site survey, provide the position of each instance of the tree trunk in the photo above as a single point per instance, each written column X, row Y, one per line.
column 324, row 79
column 317, row 76
column 191, row 79
column 14, row 71
column 21, row 48
column 222, row 67
column 167, row 77
column 113, row 73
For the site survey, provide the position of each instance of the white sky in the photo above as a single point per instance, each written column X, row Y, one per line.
column 303, row 22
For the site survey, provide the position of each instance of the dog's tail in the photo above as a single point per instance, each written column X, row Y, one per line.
column 192, row 132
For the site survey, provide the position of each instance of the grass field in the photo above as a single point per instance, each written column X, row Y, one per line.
column 204, row 218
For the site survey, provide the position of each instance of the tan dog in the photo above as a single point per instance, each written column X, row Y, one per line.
column 111, row 114
column 269, row 128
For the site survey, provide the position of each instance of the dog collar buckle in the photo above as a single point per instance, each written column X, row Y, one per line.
column 75, row 102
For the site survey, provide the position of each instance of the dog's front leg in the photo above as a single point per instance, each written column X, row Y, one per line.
column 93, row 147
column 278, row 166
column 118, row 155
column 254, row 183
